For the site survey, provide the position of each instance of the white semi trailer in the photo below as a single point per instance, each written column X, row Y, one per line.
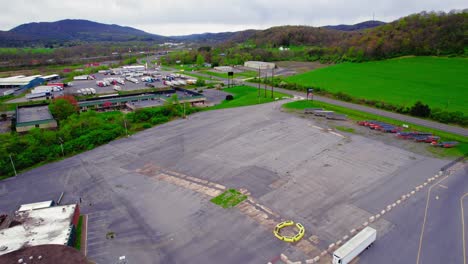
column 355, row 246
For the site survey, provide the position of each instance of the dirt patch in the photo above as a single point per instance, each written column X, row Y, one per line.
column 301, row 66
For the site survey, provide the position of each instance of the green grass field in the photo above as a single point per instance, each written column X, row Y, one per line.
column 460, row 150
column 247, row 95
column 438, row 82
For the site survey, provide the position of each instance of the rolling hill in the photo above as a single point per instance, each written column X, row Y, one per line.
column 82, row 30
column 358, row 26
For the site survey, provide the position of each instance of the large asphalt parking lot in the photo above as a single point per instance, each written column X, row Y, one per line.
column 128, row 86
column 153, row 189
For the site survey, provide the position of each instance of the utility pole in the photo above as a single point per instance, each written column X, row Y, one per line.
column 258, row 82
column 126, row 130
column 13, row 165
column 272, row 81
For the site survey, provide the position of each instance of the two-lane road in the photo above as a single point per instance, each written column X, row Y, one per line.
column 430, row 228
column 442, row 232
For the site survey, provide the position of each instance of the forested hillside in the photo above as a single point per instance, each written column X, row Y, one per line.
column 419, row 34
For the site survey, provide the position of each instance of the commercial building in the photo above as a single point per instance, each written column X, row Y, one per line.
column 141, row 100
column 259, row 65
column 31, row 116
column 21, row 82
column 53, row 225
column 51, row 77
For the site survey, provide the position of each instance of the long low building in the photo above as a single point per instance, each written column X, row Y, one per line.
column 31, row 116
column 21, row 81
column 53, row 225
column 260, row 65
column 133, row 101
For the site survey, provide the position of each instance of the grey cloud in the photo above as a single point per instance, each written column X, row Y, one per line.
column 189, row 16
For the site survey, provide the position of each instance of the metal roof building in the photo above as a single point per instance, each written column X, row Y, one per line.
column 21, row 81
column 51, row 77
column 259, row 65
column 51, row 225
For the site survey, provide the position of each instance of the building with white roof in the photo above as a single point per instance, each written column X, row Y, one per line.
column 259, row 65
column 40, row 226
column 34, row 206
column 21, row 81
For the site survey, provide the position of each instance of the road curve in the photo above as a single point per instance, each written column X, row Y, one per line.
column 404, row 118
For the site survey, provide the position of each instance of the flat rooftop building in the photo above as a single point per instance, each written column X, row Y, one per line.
column 259, row 65
column 31, row 116
column 44, row 226
column 35, row 206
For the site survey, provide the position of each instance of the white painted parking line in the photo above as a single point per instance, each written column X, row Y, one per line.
column 463, row 227
column 425, row 218
column 338, row 135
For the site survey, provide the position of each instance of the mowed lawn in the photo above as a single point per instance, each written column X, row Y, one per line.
column 438, row 82
column 247, row 95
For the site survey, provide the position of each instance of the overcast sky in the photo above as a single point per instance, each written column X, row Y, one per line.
column 178, row 17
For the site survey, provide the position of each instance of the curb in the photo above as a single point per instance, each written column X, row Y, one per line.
column 371, row 219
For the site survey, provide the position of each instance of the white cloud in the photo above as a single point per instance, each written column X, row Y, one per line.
column 178, row 17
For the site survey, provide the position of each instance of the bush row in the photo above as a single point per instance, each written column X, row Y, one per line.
column 419, row 109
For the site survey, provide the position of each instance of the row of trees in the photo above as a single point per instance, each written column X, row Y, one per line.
column 419, row 109
column 80, row 53
column 78, row 132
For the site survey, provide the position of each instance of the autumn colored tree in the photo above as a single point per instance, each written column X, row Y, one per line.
column 64, row 106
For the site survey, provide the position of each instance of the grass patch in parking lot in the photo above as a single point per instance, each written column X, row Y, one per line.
column 229, row 198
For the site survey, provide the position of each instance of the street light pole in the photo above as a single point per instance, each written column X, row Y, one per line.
column 125, row 124
column 13, row 165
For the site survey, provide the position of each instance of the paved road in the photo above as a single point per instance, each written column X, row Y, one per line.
column 418, row 121
column 429, row 228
